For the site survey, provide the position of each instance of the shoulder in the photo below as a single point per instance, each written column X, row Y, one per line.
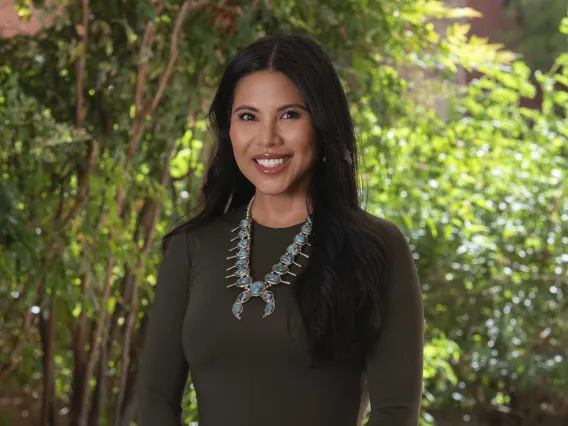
column 401, row 268
column 176, row 250
column 397, row 248
column 189, row 239
column 216, row 227
column 391, row 236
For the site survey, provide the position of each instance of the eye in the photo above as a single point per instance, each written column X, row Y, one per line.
column 246, row 116
column 291, row 114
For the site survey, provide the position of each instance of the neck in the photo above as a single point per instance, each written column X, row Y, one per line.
column 279, row 211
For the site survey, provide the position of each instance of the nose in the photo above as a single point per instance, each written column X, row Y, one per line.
column 268, row 135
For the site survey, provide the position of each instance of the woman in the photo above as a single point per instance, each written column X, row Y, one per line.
column 289, row 305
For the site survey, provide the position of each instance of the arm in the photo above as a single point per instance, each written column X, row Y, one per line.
column 394, row 370
column 164, row 369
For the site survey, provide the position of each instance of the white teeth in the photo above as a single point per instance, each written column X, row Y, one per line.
column 270, row 163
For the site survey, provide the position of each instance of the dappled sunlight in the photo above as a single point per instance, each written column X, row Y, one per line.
column 105, row 147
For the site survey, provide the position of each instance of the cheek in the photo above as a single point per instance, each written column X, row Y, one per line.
column 306, row 144
column 238, row 140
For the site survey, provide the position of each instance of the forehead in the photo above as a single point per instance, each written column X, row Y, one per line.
column 266, row 89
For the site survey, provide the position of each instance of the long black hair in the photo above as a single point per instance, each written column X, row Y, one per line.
column 341, row 292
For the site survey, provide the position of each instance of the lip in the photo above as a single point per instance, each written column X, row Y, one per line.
column 271, row 170
column 270, row 156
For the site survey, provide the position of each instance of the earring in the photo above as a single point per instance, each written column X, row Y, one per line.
column 229, row 202
column 324, row 159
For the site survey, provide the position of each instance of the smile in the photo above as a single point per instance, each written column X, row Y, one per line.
column 272, row 162
column 272, row 165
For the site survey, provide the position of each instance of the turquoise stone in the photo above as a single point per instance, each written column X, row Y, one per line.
column 300, row 239
column 293, row 249
column 256, row 288
column 272, row 278
column 267, row 296
column 241, row 262
column 242, row 254
column 251, row 288
column 244, row 296
column 237, row 308
column 244, row 281
column 241, row 272
column 243, row 244
column 280, row 269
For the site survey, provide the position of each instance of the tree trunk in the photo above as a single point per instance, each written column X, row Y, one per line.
column 93, row 357
column 130, row 404
column 77, row 394
column 100, row 392
column 26, row 325
column 79, row 354
column 47, row 334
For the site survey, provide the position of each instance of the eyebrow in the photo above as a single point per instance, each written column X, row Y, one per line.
column 279, row 109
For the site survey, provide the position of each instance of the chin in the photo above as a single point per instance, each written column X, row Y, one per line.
column 271, row 189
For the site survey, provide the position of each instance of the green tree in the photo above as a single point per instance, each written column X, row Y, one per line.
column 104, row 148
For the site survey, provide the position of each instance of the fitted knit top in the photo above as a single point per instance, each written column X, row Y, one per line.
column 256, row 371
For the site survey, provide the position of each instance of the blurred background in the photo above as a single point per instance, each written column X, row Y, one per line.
column 461, row 109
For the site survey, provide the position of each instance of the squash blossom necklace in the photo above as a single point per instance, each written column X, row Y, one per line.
column 244, row 280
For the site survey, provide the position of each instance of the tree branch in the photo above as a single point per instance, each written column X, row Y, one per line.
column 25, row 327
column 47, row 335
column 147, row 41
column 174, row 49
column 80, row 67
column 149, row 222
column 141, row 111
column 95, row 344
column 83, row 183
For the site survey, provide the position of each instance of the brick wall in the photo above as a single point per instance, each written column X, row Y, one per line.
column 11, row 24
column 494, row 25
column 494, row 22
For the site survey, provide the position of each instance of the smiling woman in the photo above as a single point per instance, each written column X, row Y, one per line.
column 334, row 314
column 273, row 138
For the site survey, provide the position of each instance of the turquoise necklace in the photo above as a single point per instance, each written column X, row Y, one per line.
column 244, row 281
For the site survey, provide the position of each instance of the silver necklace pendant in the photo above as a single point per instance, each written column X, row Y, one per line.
column 244, row 281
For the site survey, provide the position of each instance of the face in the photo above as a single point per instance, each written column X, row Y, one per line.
column 272, row 134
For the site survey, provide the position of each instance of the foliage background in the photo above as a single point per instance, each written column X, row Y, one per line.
column 104, row 146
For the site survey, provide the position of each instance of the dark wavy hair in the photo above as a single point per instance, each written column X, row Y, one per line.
column 341, row 291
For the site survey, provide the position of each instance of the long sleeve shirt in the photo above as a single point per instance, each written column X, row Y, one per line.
column 255, row 371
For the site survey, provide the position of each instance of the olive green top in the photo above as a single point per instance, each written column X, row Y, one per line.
column 254, row 371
